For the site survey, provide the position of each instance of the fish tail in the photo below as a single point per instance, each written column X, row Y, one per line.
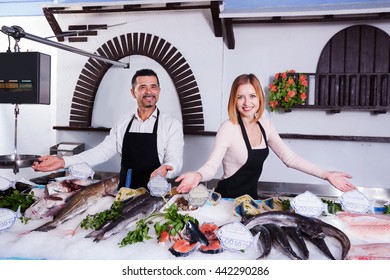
column 46, row 227
column 92, row 234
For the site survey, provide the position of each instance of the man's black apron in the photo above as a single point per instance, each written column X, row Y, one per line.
column 244, row 181
column 139, row 153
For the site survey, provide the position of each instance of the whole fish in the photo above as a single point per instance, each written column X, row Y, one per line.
column 150, row 205
column 279, row 237
column 285, row 218
column 128, row 204
column 81, row 200
column 264, row 242
column 332, row 231
column 296, row 235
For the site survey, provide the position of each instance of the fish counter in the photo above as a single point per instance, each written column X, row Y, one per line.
column 367, row 234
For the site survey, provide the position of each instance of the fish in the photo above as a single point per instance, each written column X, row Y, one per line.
column 334, row 232
column 67, row 186
column 370, row 251
column 183, row 248
column 296, row 236
column 195, row 235
column 47, row 206
column 279, row 239
column 141, row 207
column 81, row 200
column 366, row 225
column 214, row 247
column 209, row 230
column 321, row 244
column 285, row 218
column 264, row 241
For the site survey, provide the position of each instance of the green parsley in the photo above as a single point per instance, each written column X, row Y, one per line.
column 97, row 220
column 16, row 199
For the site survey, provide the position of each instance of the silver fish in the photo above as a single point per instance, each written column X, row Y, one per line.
column 128, row 205
column 279, row 237
column 144, row 207
column 285, row 218
column 81, row 200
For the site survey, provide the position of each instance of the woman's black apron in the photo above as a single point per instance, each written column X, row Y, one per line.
column 139, row 153
column 244, row 181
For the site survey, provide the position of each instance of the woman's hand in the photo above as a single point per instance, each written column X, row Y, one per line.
column 189, row 181
column 338, row 180
column 48, row 163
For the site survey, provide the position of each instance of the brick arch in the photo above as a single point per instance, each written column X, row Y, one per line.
column 153, row 47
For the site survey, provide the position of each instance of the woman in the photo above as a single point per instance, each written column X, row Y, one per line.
column 242, row 145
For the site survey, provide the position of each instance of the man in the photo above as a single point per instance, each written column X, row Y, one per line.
column 150, row 142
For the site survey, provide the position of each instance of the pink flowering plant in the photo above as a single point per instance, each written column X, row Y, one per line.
column 288, row 89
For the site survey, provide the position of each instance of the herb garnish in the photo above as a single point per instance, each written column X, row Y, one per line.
column 174, row 223
column 97, row 220
column 16, row 199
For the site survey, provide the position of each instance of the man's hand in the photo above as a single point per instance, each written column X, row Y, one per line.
column 48, row 163
column 162, row 170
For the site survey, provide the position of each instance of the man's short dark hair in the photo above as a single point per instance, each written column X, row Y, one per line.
column 144, row 72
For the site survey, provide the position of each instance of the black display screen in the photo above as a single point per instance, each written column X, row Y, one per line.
column 25, row 78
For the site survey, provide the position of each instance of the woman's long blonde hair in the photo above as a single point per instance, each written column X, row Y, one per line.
column 232, row 105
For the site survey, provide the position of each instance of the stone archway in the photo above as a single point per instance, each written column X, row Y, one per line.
column 153, row 47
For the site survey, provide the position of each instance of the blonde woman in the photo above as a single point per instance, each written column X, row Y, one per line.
column 242, row 145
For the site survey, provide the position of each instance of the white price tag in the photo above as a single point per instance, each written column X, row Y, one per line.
column 354, row 201
column 235, row 236
column 7, row 219
column 198, row 196
column 81, row 170
column 308, row 204
column 159, row 186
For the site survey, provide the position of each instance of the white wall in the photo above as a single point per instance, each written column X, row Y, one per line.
column 260, row 49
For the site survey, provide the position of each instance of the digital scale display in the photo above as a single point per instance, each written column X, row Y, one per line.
column 16, row 86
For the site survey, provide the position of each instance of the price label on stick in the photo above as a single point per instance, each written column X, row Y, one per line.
column 159, row 186
column 235, row 236
column 7, row 219
column 198, row 196
column 308, row 204
column 354, row 201
column 81, row 170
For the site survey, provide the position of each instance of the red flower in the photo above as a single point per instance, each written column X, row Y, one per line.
column 291, row 93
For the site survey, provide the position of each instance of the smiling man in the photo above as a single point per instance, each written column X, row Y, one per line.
column 149, row 142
